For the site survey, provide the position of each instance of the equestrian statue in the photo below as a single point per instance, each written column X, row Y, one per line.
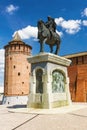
column 47, row 34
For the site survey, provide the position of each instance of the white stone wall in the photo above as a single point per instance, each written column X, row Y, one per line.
column 15, row 100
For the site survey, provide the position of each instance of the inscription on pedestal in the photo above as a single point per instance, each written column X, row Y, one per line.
column 59, row 97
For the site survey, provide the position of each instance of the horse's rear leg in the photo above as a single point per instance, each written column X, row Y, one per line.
column 57, row 48
column 51, row 49
column 41, row 47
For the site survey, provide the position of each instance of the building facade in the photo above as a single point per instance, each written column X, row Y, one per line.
column 17, row 70
column 78, row 76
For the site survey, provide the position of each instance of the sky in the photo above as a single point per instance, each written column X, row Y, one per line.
column 23, row 15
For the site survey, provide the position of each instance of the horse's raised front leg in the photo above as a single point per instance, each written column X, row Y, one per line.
column 42, row 45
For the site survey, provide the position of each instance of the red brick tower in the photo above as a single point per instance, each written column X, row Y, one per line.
column 17, row 70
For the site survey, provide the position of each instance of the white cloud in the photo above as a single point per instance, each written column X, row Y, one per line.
column 59, row 21
column 84, row 22
column 27, row 32
column 1, row 61
column 70, row 26
column 84, row 13
column 1, row 66
column 11, row 8
column 1, row 56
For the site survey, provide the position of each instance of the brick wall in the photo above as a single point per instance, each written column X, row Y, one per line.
column 78, row 79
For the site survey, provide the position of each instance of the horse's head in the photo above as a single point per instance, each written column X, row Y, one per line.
column 42, row 29
column 41, row 26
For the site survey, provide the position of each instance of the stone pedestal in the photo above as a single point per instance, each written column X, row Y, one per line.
column 49, row 81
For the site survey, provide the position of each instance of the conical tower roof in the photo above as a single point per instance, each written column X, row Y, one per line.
column 17, row 41
column 16, row 37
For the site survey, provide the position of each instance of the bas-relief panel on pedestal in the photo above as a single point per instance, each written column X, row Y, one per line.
column 58, row 82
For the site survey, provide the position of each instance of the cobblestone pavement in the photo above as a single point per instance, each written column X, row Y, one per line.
column 71, row 120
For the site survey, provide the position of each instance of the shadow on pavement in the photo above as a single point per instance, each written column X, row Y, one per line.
column 17, row 106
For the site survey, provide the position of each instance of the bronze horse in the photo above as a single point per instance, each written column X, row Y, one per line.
column 45, row 36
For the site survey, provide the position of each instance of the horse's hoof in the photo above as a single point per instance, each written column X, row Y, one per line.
column 56, row 53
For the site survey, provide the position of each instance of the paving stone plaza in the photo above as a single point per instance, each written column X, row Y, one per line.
column 72, row 117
